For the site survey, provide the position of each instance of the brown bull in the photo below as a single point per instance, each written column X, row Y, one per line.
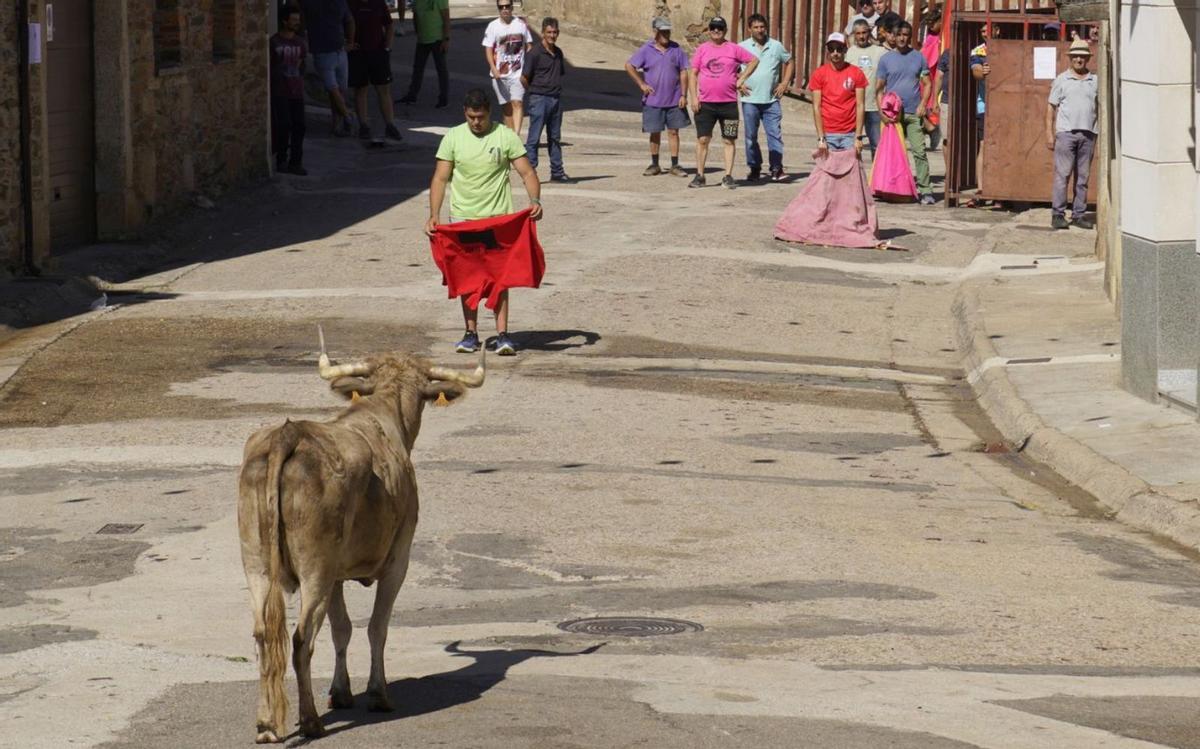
column 321, row 503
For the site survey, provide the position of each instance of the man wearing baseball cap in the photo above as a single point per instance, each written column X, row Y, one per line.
column 660, row 70
column 714, row 88
column 1071, row 133
column 839, row 92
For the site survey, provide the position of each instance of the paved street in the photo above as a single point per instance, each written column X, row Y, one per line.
column 775, row 443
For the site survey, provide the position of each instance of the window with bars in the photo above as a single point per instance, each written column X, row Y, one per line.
column 168, row 35
column 224, row 29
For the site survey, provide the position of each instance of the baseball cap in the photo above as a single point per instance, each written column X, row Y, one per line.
column 661, row 23
column 716, row 22
column 837, row 37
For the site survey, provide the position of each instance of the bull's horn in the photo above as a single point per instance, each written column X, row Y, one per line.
column 473, row 380
column 332, row 372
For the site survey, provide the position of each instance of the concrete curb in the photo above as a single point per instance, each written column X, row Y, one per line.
column 1128, row 498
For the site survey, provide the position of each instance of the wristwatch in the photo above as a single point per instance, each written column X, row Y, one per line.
column 535, row 201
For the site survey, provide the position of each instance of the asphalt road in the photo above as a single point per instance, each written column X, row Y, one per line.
column 770, row 442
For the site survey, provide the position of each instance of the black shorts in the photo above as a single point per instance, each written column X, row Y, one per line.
column 710, row 113
column 370, row 66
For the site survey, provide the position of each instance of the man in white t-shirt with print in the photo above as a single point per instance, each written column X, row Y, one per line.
column 505, row 42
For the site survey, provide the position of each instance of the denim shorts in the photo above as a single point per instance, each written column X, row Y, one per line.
column 334, row 69
column 657, row 119
column 839, row 141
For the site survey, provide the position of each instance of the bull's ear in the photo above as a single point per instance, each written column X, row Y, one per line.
column 442, row 392
column 348, row 386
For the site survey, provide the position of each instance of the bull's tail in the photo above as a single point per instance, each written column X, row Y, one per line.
column 275, row 639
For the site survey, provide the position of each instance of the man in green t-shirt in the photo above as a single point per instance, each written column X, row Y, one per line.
column 474, row 159
column 431, row 19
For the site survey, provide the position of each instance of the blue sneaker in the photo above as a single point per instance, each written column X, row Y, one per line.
column 469, row 343
column 503, row 345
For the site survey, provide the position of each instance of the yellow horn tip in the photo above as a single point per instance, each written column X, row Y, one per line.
column 441, row 400
column 354, row 397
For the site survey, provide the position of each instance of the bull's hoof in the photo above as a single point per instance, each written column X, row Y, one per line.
column 312, row 728
column 341, row 700
column 266, row 736
column 378, row 702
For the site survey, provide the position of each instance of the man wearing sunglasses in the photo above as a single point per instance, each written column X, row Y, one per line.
column 839, row 100
column 505, row 42
column 1071, row 135
column 714, row 90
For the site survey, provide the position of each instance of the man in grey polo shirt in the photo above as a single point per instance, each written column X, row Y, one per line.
column 1071, row 134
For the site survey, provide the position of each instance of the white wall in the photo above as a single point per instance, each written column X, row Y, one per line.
column 1158, row 97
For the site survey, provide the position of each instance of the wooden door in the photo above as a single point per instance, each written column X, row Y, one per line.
column 1016, row 163
column 70, row 122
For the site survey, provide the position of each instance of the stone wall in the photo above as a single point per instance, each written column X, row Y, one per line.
column 10, row 146
column 162, row 134
column 630, row 19
column 199, row 126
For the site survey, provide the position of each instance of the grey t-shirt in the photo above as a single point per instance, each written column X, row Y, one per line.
column 1076, row 101
column 867, row 60
column 901, row 73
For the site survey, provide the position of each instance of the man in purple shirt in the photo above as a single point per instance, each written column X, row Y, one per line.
column 660, row 70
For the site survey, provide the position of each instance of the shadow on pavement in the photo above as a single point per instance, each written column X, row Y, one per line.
column 429, row 694
column 554, row 340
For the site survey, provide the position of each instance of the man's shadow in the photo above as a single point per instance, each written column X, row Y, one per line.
column 554, row 340
column 429, row 694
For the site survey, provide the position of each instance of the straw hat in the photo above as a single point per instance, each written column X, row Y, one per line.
column 1080, row 47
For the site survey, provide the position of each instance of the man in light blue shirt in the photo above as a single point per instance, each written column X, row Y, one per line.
column 765, row 86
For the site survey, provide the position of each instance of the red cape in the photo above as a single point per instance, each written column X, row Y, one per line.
column 483, row 257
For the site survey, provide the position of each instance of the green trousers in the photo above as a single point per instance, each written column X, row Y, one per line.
column 915, row 135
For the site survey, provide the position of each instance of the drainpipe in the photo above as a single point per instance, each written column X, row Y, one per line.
column 25, row 136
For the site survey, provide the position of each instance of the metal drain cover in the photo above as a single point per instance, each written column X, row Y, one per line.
column 120, row 528
column 629, row 626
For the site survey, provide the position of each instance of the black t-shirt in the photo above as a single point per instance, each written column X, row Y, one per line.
column 544, row 70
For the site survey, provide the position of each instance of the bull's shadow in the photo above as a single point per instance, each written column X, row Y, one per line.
column 429, row 694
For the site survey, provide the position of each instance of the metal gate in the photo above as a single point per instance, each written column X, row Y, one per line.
column 71, row 123
column 1016, row 163
column 803, row 25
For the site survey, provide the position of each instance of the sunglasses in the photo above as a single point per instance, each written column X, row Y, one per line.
column 505, row 7
column 835, row 47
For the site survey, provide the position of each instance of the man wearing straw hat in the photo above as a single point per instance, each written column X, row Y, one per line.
column 1071, row 135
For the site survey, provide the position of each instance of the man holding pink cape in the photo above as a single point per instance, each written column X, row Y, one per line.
column 835, row 207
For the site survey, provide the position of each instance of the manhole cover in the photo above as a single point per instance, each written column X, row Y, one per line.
column 120, row 528
column 629, row 626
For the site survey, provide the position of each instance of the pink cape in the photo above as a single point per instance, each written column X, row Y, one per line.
column 891, row 176
column 834, row 208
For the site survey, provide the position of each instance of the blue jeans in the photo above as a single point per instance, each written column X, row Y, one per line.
column 871, row 122
column 544, row 112
column 771, row 117
column 839, row 141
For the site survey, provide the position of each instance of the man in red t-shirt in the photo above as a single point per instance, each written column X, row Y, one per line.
column 839, row 100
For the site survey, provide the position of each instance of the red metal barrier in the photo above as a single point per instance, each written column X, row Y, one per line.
column 803, row 25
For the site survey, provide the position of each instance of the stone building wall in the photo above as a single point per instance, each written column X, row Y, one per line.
column 630, row 19
column 199, row 126
column 162, row 133
column 10, row 146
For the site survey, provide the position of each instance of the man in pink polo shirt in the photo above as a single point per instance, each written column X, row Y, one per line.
column 714, row 95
